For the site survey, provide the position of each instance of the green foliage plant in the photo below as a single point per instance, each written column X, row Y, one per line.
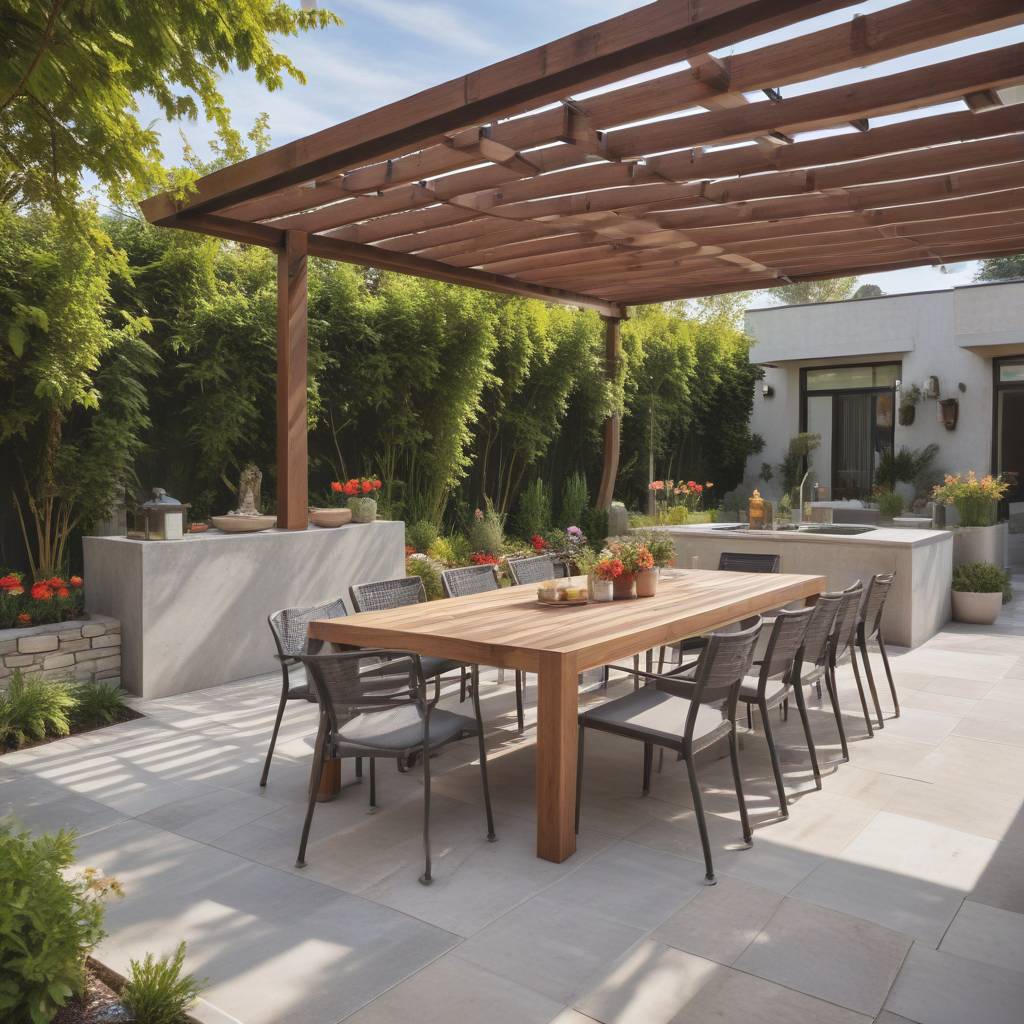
column 534, row 513
column 429, row 571
column 50, row 920
column 594, row 523
column 660, row 544
column 982, row 578
column 574, row 500
column 890, row 504
column 32, row 708
column 421, row 535
column 158, row 991
column 487, row 532
column 98, row 702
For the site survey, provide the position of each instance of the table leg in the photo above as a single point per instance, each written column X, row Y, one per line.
column 557, row 697
column 330, row 781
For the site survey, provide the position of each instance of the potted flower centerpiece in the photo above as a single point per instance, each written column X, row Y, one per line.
column 602, row 571
column 662, row 551
column 361, row 493
column 978, row 538
column 635, row 558
column 333, row 512
column 979, row 591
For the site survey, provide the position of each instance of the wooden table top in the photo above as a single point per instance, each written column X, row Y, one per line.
column 509, row 628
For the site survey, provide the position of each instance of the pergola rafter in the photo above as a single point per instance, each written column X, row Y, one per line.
column 558, row 175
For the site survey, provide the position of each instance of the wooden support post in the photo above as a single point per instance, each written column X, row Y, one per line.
column 292, row 455
column 612, row 355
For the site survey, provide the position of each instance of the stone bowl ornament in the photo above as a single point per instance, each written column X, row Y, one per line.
column 246, row 518
column 331, row 515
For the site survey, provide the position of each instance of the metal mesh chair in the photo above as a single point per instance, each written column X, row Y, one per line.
column 844, row 637
column 384, row 595
column 748, row 561
column 869, row 628
column 384, row 713
column 290, row 627
column 532, row 570
column 480, row 579
column 773, row 683
column 685, row 713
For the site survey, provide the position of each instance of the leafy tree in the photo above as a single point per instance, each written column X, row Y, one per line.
column 1001, row 268
column 833, row 289
column 71, row 74
column 868, row 291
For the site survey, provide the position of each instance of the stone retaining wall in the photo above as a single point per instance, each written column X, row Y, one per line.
column 84, row 649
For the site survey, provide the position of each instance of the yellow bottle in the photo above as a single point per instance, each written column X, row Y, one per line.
column 755, row 511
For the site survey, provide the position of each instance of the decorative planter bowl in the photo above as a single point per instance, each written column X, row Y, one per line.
column 647, row 583
column 330, row 517
column 624, row 587
column 364, row 510
column 980, row 609
column 242, row 524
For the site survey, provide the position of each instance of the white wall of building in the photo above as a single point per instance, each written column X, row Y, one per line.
column 952, row 335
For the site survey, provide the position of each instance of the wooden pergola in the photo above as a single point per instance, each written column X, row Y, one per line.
column 600, row 171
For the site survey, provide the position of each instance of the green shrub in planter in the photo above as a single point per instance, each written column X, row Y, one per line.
column 487, row 532
column 49, row 923
column 982, row 578
column 421, row 535
column 32, row 708
column 890, row 504
column 157, row 992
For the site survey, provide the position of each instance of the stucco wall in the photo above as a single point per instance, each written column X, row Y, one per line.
column 950, row 334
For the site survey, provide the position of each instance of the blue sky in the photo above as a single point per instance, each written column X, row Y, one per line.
column 388, row 49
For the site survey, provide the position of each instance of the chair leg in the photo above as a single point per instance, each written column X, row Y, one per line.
column 648, row 762
column 773, row 756
column 863, row 644
column 833, row 696
column 373, row 782
column 273, row 735
column 798, row 696
column 359, row 768
column 888, row 675
column 750, row 715
column 636, row 670
column 860, row 690
column 520, row 682
column 462, row 686
column 316, row 773
column 491, row 837
column 579, row 774
column 737, row 778
column 426, row 878
column 702, row 825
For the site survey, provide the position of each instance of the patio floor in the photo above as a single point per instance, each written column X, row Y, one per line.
column 896, row 893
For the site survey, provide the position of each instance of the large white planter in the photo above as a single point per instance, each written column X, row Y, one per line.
column 981, row 609
column 980, row 544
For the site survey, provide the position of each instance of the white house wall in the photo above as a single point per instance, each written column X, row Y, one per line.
column 950, row 334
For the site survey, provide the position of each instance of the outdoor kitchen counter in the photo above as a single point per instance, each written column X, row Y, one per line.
column 919, row 603
column 194, row 611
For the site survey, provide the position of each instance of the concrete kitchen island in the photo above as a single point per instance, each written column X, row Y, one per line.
column 194, row 611
column 919, row 603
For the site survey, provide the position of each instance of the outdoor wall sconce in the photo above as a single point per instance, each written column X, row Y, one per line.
column 767, row 390
column 949, row 412
column 931, row 387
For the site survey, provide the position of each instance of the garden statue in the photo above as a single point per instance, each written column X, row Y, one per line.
column 249, row 490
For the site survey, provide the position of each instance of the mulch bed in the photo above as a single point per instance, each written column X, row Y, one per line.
column 126, row 715
column 98, row 1005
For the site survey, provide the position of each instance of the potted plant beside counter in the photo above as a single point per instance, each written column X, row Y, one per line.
column 978, row 538
column 979, row 591
column 362, row 497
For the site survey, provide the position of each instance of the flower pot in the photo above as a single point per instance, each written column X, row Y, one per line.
column 980, row 544
column 330, row 517
column 364, row 510
column 647, row 583
column 624, row 587
column 981, row 609
column 599, row 589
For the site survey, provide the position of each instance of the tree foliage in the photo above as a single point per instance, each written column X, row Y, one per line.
column 1001, row 268
column 833, row 289
column 71, row 74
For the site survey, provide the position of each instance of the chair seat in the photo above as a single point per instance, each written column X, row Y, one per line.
column 650, row 715
column 398, row 729
column 774, row 693
column 438, row 666
column 302, row 692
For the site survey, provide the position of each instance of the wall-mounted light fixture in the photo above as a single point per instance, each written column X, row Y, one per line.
column 767, row 390
column 898, row 385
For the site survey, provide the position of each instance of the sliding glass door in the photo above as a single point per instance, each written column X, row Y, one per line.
column 1009, row 425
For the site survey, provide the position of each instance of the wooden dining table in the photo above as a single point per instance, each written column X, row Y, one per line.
column 510, row 628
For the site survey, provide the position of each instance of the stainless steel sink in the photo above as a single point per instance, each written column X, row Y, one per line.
column 827, row 529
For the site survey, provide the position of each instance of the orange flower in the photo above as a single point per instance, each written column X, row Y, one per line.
column 41, row 592
column 336, row 486
column 76, row 581
column 25, row 619
column 64, row 592
column 55, row 582
column 377, row 485
column 367, row 487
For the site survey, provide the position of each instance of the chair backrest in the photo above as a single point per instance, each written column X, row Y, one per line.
column 345, row 690
column 386, row 594
column 722, row 667
column 845, row 629
column 817, row 642
column 290, row 627
column 874, row 601
column 748, row 561
column 469, row 579
column 531, row 570
column 784, row 644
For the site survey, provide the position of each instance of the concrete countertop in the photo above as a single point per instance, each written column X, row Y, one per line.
column 879, row 535
column 212, row 534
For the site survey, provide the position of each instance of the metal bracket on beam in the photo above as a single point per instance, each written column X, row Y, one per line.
column 986, row 99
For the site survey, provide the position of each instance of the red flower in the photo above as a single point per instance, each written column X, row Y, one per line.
column 41, row 592
column 336, row 486
column 56, row 582
column 25, row 619
column 9, row 582
column 367, row 487
column 691, row 484
column 377, row 485
column 409, row 550
column 63, row 592
column 538, row 542
column 76, row 581
column 483, row 558
column 610, row 568
column 350, row 487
